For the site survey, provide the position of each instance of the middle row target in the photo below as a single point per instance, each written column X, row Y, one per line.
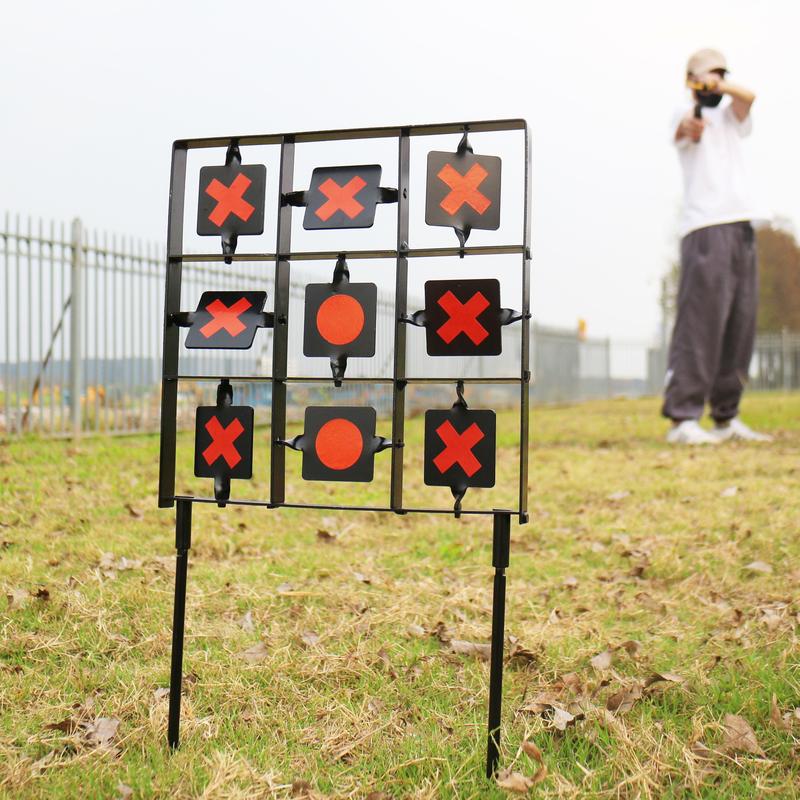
column 461, row 317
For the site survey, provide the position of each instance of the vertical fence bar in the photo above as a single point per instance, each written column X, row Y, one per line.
column 400, row 308
column 7, row 324
column 75, row 316
column 17, row 366
column 280, row 337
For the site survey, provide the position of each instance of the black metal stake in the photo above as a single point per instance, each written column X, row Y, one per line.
column 183, row 541
column 501, row 545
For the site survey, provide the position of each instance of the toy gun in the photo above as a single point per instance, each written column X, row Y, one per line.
column 705, row 97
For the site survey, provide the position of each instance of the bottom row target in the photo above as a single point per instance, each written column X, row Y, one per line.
column 340, row 443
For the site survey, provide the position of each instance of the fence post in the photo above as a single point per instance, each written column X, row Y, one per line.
column 785, row 360
column 76, row 317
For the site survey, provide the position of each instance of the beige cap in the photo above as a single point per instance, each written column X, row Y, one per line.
column 706, row 60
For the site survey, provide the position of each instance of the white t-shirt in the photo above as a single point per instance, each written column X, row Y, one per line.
column 716, row 188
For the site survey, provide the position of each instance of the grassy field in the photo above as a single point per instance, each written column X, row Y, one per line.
column 653, row 615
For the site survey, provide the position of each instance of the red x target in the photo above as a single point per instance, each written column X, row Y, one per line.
column 341, row 198
column 463, row 317
column 224, row 318
column 227, row 320
column 458, row 448
column 230, row 200
column 463, row 191
column 464, row 188
column 222, row 440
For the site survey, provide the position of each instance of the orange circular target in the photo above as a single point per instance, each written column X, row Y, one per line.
column 339, row 444
column 340, row 319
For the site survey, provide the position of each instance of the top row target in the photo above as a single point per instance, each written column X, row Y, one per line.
column 462, row 192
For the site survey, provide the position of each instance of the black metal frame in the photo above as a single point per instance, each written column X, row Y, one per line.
column 282, row 257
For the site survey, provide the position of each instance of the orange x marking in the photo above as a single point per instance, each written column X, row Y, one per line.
column 341, row 198
column 230, row 199
column 222, row 440
column 458, row 448
column 224, row 317
column 463, row 317
column 464, row 188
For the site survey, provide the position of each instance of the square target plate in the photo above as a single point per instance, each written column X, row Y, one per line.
column 463, row 317
column 463, row 190
column 231, row 200
column 223, row 442
column 342, row 197
column 226, row 320
column 460, row 447
column 340, row 321
column 339, row 443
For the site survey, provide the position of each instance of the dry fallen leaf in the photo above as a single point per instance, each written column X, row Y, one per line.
column 631, row 647
column 17, row 597
column 133, row 512
column 482, row 651
column 301, row 789
column 520, row 656
column 562, row 719
column 68, row 725
column 602, row 660
column 102, row 731
column 255, row 654
column 699, row 750
column 326, row 536
column 530, row 749
column 514, row 781
column 759, row 566
column 731, row 491
column 623, row 701
column 569, row 582
column 739, row 736
column 309, row 638
column 125, row 792
column 39, row 765
column 782, row 723
column 669, row 677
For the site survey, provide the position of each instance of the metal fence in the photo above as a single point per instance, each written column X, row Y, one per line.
column 82, row 323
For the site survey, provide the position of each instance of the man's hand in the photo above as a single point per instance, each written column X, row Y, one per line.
column 690, row 128
column 741, row 98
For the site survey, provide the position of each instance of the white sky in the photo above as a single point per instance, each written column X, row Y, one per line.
column 93, row 94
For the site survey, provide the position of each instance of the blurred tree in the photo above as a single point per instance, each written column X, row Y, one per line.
column 779, row 268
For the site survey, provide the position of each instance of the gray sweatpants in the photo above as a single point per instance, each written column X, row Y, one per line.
column 715, row 324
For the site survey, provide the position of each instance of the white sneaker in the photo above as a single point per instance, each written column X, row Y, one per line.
column 736, row 429
column 690, row 432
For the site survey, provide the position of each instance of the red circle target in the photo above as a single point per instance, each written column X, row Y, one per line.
column 340, row 319
column 339, row 444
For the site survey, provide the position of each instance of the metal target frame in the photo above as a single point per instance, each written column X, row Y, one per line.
column 278, row 320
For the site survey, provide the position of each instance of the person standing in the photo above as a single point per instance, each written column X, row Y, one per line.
column 715, row 323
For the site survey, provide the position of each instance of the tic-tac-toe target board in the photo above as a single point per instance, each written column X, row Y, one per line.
column 463, row 186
